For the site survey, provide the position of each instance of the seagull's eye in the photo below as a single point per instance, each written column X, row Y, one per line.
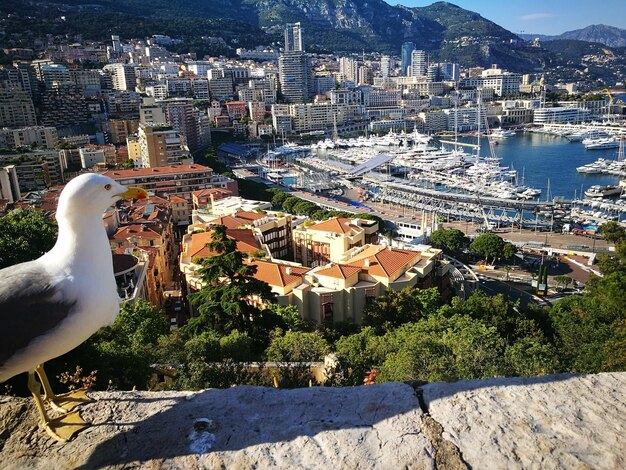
column 107, row 187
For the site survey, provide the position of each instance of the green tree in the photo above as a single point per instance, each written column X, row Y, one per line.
column 451, row 240
column 394, row 308
column 25, row 234
column 141, row 323
column 279, row 197
column 613, row 232
column 290, row 202
column 297, row 346
column 562, row 280
column 224, row 302
column 488, row 245
column 290, row 316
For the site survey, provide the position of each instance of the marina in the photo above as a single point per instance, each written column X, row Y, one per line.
column 529, row 179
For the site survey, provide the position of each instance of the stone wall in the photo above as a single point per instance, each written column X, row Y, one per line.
column 547, row 422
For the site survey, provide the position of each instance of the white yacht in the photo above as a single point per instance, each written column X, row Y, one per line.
column 501, row 134
column 603, row 191
column 598, row 144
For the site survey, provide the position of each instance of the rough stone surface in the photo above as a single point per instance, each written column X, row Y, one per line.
column 561, row 421
column 379, row 426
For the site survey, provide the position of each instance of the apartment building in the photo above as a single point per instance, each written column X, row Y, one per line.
column 34, row 170
column 39, row 136
column 180, row 180
column 16, row 108
column 327, row 241
column 161, row 146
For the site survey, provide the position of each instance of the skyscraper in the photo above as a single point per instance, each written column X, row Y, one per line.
column 386, row 65
column 294, row 67
column 419, row 64
column 293, row 38
column 407, row 50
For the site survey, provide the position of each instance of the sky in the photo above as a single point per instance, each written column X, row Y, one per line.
column 541, row 16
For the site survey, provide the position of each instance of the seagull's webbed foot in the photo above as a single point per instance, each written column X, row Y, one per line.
column 65, row 427
column 69, row 401
column 64, row 402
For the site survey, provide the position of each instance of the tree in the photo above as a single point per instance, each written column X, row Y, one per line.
column 296, row 346
column 141, row 323
column 25, row 234
column 394, row 308
column 451, row 240
column 224, row 302
column 613, row 232
column 562, row 280
column 279, row 197
column 290, row 316
column 290, row 202
column 488, row 245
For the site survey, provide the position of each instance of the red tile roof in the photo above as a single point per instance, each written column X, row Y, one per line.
column 276, row 274
column 386, row 262
column 335, row 225
column 339, row 271
column 158, row 170
column 244, row 239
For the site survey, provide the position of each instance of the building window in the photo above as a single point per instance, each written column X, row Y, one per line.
column 327, row 307
column 370, row 295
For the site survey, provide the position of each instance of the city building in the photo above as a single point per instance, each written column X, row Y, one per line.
column 16, row 108
column 161, row 146
column 294, row 38
column 33, row 170
column 328, row 241
column 38, row 136
column 419, row 63
column 406, row 57
column 181, row 180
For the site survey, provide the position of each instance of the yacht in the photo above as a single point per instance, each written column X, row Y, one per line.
column 598, row 144
column 501, row 134
column 603, row 191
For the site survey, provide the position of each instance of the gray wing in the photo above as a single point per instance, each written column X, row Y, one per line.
column 28, row 308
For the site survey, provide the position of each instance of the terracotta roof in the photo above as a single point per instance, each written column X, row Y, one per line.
column 339, row 271
column 135, row 230
column 335, row 225
column 229, row 221
column 157, row 170
column 174, row 198
column 244, row 239
column 386, row 262
column 249, row 215
column 209, row 191
column 275, row 274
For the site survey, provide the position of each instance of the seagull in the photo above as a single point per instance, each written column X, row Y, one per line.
column 52, row 304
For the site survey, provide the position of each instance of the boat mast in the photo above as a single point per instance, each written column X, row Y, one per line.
column 478, row 120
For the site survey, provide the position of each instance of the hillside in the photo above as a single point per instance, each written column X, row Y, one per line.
column 218, row 27
column 598, row 33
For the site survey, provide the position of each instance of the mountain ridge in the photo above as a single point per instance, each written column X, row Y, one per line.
column 611, row 36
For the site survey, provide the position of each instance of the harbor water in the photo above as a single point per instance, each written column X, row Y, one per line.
column 539, row 157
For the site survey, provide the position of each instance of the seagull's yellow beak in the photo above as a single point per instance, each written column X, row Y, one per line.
column 133, row 192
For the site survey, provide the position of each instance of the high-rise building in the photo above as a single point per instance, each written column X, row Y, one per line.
column 419, row 63
column 16, row 108
column 161, row 146
column 294, row 67
column 407, row 50
column 296, row 78
column 122, row 76
column 349, row 69
column 180, row 115
column 386, row 66
column 293, row 38
column 450, row 71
